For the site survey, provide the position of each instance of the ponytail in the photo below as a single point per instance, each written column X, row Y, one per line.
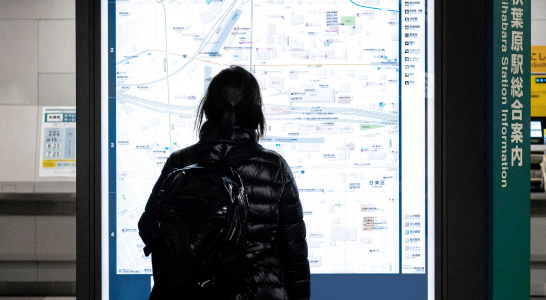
column 227, row 123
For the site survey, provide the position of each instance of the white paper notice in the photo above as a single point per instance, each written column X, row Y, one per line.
column 58, row 142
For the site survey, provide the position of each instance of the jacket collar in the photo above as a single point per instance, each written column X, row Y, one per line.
column 240, row 147
column 240, row 135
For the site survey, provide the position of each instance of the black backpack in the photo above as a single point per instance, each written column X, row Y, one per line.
column 201, row 233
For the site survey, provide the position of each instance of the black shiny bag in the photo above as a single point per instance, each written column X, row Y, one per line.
column 201, row 233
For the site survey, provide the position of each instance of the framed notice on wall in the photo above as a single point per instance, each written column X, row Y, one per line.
column 58, row 142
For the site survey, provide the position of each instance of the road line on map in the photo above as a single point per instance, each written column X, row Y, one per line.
column 190, row 57
column 289, row 65
column 167, row 64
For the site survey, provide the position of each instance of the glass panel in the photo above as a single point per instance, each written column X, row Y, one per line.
column 347, row 95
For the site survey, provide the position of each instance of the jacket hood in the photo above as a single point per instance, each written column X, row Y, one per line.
column 242, row 145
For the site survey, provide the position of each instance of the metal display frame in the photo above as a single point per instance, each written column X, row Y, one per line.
column 88, row 168
column 460, row 150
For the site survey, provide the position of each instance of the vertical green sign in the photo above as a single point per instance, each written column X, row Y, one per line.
column 509, row 149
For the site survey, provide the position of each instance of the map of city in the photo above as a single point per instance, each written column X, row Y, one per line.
column 328, row 72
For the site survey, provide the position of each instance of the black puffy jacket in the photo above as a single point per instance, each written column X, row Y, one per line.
column 277, row 249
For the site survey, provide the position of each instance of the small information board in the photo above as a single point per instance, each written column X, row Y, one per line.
column 538, row 59
column 58, row 142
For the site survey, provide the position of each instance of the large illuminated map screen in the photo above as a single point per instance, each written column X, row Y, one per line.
column 344, row 90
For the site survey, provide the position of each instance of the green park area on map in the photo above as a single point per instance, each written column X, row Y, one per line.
column 368, row 126
column 348, row 21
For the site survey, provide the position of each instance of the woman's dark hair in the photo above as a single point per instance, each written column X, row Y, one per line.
column 233, row 99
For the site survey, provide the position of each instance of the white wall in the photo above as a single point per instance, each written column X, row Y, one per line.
column 37, row 68
column 538, row 22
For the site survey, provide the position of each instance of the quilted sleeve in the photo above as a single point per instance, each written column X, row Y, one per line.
column 291, row 243
column 147, row 220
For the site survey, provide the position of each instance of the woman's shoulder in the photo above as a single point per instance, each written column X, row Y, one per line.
column 270, row 157
column 188, row 155
column 183, row 157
